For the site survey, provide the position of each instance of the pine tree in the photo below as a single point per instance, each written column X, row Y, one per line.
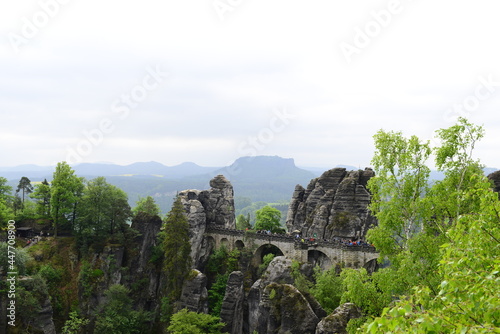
column 177, row 249
column 24, row 186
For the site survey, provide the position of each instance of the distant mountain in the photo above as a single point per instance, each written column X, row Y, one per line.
column 260, row 178
column 151, row 168
column 263, row 168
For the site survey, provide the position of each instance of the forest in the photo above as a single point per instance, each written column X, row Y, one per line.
column 438, row 244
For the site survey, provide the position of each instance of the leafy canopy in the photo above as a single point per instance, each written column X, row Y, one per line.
column 268, row 218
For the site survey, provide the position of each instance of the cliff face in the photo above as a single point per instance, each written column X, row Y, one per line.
column 276, row 306
column 495, row 180
column 213, row 206
column 333, row 205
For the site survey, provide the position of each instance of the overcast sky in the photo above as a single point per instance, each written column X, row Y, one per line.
column 210, row 81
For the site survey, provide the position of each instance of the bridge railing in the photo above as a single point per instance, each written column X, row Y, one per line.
column 289, row 238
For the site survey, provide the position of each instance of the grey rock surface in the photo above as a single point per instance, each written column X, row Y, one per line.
column 336, row 322
column 333, row 205
column 232, row 306
column 194, row 293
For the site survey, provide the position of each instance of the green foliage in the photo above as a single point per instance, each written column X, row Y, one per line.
column 25, row 187
column 242, row 222
column 222, row 261
column 51, row 275
column 220, row 264
column 19, row 258
column 147, row 205
column 328, row 288
column 187, row 322
column 88, row 278
column 442, row 241
column 117, row 315
column 104, row 207
column 363, row 290
column 300, row 280
column 41, row 194
column 216, row 294
column 268, row 218
column 467, row 298
column 5, row 190
column 397, row 189
column 31, row 294
column 265, row 263
column 65, row 192
column 75, row 324
column 177, row 248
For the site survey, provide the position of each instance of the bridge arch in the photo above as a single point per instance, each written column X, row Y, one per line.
column 316, row 257
column 239, row 244
column 224, row 242
column 263, row 251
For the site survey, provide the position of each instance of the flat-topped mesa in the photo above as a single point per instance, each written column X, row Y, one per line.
column 333, row 205
column 208, row 207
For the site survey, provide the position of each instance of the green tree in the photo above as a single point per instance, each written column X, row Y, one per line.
column 75, row 324
column 397, row 189
column 65, row 193
column 187, row 322
column 18, row 259
column 147, row 205
column 41, row 194
column 467, row 299
column 104, row 209
column 242, row 222
column 416, row 223
column 268, row 218
column 25, row 187
column 177, row 248
column 5, row 190
column 117, row 315
column 327, row 288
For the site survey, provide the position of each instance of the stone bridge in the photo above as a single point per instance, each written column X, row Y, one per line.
column 324, row 253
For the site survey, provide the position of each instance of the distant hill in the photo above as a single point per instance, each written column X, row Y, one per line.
column 91, row 170
column 261, row 178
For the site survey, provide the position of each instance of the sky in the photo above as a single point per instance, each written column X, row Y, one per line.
column 210, row 81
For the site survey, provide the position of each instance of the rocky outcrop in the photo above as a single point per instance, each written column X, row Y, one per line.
column 144, row 276
column 276, row 306
column 495, row 180
column 288, row 311
column 194, row 294
column 333, row 205
column 214, row 206
column 232, row 306
column 336, row 322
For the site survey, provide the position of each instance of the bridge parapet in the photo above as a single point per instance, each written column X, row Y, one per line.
column 336, row 251
column 288, row 238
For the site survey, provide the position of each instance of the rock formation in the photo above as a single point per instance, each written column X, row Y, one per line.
column 232, row 306
column 194, row 294
column 495, row 180
column 276, row 306
column 213, row 206
column 336, row 322
column 333, row 205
